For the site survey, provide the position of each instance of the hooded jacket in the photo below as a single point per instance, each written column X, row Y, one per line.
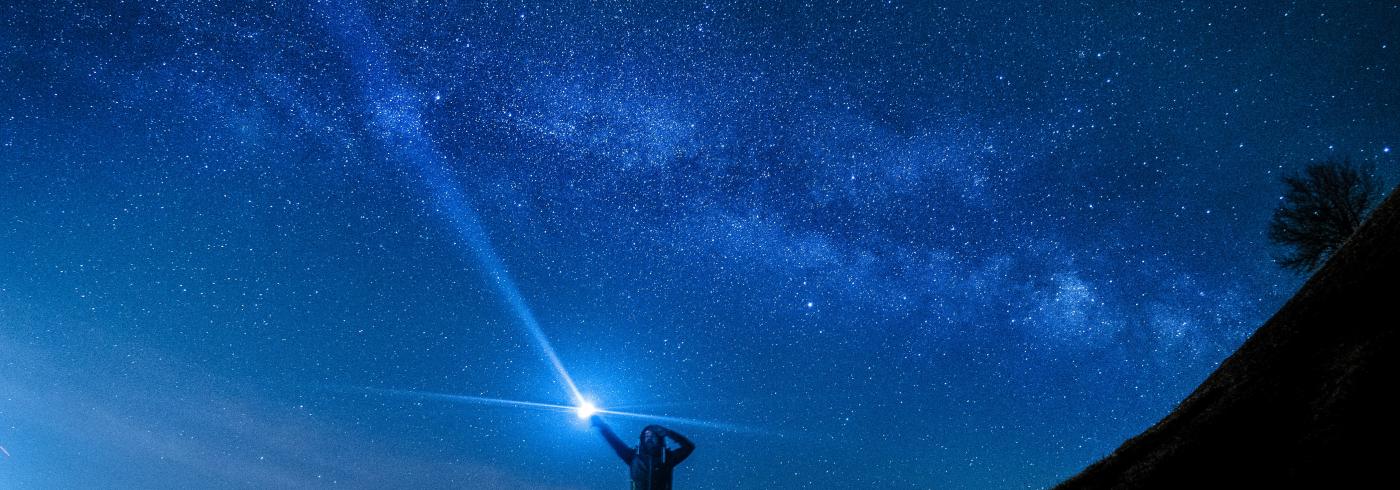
column 648, row 470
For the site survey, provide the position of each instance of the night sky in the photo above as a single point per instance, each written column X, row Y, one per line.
column 856, row 244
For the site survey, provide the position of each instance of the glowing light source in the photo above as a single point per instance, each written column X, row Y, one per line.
column 586, row 410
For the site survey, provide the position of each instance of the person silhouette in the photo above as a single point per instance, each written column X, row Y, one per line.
column 651, row 461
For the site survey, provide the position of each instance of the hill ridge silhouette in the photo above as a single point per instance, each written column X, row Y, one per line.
column 1302, row 402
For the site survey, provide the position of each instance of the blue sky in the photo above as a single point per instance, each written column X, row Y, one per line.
column 891, row 244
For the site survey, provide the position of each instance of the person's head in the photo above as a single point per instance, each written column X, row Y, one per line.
column 652, row 440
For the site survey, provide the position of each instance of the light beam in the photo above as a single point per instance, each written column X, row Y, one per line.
column 578, row 410
column 399, row 125
column 400, row 128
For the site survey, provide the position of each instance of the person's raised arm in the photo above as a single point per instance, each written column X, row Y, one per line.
column 619, row 447
column 679, row 454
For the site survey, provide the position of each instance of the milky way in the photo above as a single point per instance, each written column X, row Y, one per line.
column 908, row 245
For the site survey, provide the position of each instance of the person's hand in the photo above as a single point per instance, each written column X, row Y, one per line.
column 662, row 432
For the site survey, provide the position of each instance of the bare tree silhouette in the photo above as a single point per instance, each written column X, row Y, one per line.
column 1321, row 207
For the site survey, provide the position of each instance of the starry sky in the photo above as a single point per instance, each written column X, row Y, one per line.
column 853, row 244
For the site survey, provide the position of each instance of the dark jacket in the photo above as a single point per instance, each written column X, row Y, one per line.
column 649, row 471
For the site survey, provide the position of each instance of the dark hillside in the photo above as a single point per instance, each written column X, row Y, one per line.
column 1305, row 402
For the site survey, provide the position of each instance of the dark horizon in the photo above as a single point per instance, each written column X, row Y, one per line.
column 897, row 245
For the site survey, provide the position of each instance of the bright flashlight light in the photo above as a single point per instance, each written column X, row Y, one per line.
column 586, row 410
